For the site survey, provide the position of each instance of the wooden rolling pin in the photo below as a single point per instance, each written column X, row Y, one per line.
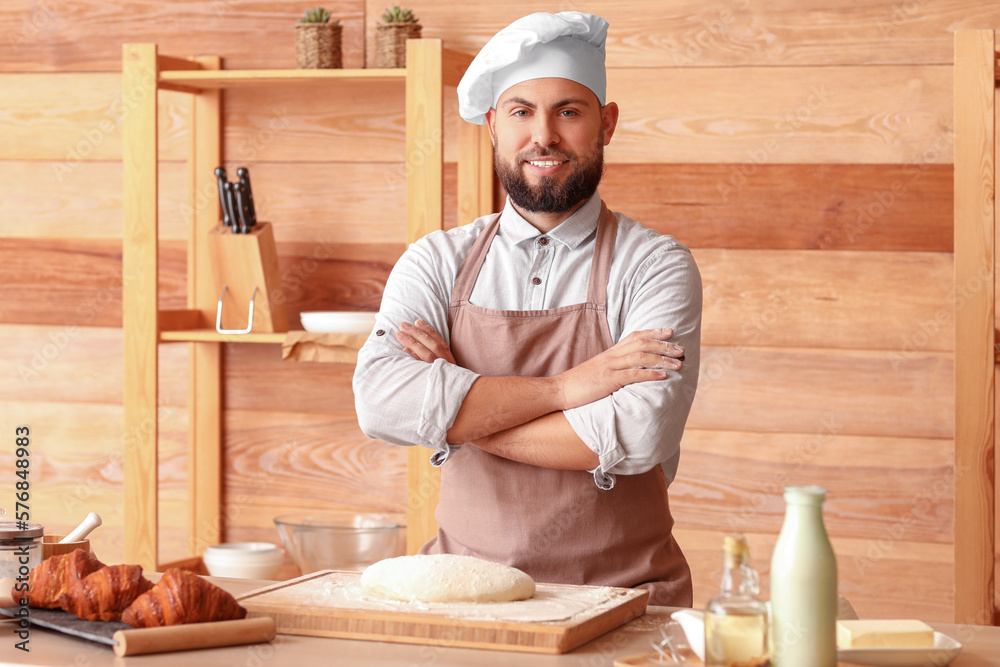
column 194, row 635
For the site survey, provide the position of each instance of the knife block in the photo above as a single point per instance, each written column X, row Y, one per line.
column 241, row 262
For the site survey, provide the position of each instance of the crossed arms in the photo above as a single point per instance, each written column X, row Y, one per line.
column 625, row 407
column 521, row 418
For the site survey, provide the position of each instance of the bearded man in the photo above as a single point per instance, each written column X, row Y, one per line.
column 548, row 354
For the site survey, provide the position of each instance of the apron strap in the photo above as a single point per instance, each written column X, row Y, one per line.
column 469, row 271
column 604, row 249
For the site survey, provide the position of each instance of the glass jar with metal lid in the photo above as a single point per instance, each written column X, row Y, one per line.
column 20, row 550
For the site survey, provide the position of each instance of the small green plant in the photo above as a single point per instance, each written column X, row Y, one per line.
column 317, row 15
column 397, row 15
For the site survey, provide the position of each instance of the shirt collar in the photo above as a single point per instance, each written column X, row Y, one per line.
column 571, row 232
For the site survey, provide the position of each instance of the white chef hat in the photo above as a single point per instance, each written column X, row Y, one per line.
column 567, row 45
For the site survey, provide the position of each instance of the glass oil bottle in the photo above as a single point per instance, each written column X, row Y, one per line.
column 736, row 620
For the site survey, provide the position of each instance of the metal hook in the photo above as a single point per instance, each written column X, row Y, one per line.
column 218, row 314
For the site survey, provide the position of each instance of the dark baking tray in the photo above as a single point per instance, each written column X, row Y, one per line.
column 70, row 624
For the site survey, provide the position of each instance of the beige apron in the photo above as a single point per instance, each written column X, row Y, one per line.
column 556, row 525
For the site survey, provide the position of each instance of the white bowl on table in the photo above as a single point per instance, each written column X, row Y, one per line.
column 337, row 321
column 244, row 560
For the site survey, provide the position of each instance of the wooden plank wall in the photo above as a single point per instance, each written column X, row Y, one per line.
column 803, row 151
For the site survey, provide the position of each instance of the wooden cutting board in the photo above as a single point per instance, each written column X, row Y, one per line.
column 557, row 619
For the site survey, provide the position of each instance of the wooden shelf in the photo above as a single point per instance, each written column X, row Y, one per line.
column 429, row 68
column 217, row 79
column 213, row 336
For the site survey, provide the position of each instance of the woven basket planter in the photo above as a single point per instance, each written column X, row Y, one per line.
column 317, row 46
column 390, row 43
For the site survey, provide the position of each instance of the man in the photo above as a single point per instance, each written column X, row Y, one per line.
column 539, row 352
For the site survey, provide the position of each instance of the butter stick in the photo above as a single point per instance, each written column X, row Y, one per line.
column 878, row 633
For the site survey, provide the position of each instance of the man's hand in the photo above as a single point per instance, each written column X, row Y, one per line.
column 639, row 357
column 421, row 342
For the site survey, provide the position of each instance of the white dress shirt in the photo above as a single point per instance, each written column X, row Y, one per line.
column 654, row 283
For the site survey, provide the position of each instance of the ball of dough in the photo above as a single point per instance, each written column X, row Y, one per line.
column 446, row 578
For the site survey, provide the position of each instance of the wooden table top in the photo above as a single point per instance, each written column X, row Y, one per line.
column 981, row 648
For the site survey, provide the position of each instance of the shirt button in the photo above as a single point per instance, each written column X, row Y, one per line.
column 543, row 241
column 536, row 281
column 380, row 332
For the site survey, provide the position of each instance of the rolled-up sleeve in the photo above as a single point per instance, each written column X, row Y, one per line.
column 640, row 426
column 397, row 398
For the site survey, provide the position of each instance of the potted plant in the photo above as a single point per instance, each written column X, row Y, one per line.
column 397, row 26
column 317, row 41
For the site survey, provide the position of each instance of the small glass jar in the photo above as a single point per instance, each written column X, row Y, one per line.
column 736, row 620
column 20, row 550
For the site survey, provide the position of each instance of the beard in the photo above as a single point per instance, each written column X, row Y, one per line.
column 548, row 195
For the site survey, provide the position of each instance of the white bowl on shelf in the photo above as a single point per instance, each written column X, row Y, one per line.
column 244, row 560
column 337, row 321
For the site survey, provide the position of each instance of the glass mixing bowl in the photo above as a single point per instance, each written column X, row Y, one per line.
column 341, row 540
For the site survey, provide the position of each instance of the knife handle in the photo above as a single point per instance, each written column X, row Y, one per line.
column 220, row 177
column 244, row 175
column 231, row 207
column 239, row 193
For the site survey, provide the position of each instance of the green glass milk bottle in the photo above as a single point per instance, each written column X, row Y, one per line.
column 803, row 585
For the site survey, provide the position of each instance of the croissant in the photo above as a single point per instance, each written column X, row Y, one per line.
column 103, row 595
column 182, row 597
column 50, row 579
